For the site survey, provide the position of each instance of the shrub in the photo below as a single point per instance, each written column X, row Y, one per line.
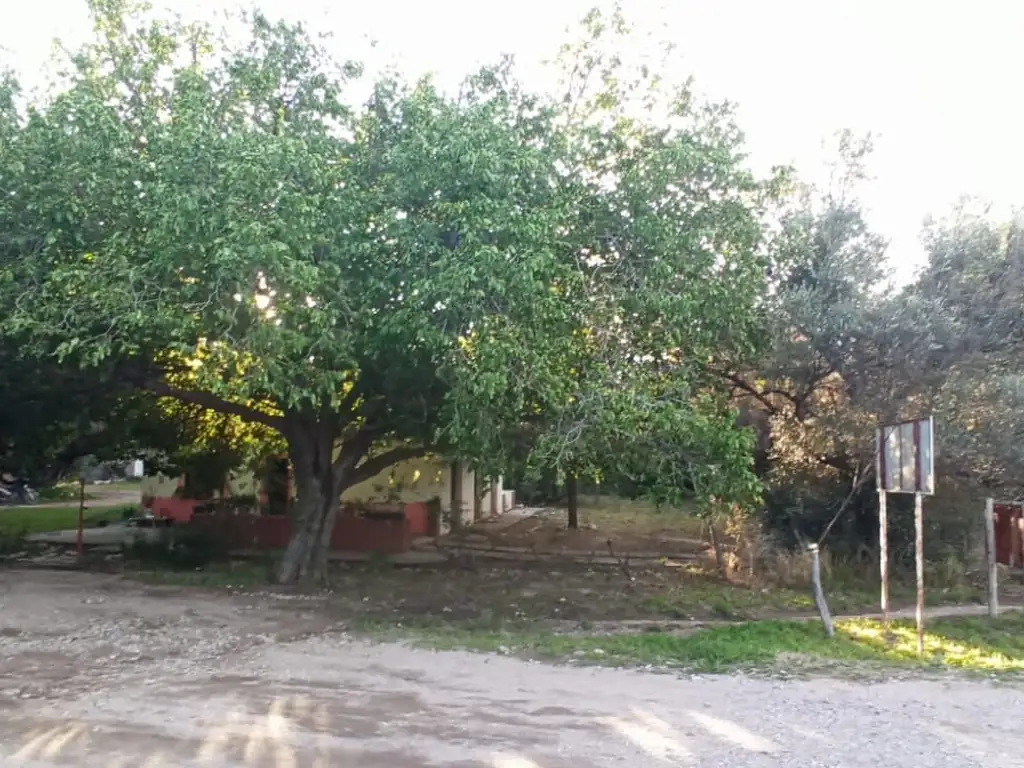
column 62, row 492
column 179, row 549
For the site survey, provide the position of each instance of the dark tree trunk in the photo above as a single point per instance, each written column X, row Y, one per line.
column 318, row 500
column 716, row 543
column 323, row 470
column 573, row 500
column 319, row 482
column 457, row 500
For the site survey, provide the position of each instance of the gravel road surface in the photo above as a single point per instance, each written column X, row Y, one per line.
column 97, row 671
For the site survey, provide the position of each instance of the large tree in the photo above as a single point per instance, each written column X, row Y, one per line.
column 666, row 239
column 973, row 283
column 848, row 350
column 825, row 372
column 371, row 282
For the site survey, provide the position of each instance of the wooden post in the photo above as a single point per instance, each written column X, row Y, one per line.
column 990, row 557
column 80, row 538
column 919, row 556
column 819, row 593
column 883, row 551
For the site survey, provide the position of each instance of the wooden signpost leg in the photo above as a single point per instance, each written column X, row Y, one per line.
column 883, row 552
column 919, row 556
column 990, row 558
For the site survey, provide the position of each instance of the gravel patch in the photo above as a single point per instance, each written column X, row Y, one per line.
column 97, row 671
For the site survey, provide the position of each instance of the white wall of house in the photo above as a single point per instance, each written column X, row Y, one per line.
column 409, row 481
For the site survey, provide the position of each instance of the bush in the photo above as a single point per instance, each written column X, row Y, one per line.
column 11, row 543
column 179, row 549
column 62, row 492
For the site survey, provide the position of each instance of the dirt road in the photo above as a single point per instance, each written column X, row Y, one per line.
column 95, row 671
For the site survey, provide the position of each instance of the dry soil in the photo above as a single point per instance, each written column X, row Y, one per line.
column 99, row 671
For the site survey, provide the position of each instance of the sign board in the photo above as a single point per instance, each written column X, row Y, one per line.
column 906, row 457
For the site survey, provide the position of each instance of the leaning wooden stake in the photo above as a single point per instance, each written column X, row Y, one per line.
column 919, row 556
column 990, row 557
column 819, row 594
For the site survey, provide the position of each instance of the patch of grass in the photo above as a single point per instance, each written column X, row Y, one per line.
column 11, row 543
column 179, row 549
column 701, row 593
column 26, row 520
column 121, row 486
column 61, row 492
column 722, row 600
column 234, row 575
column 853, row 587
column 983, row 645
column 639, row 517
column 710, row 596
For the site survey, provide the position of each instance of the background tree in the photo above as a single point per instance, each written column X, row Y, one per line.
column 974, row 279
column 814, row 393
column 665, row 243
column 848, row 351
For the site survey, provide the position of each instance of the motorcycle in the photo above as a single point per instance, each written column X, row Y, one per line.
column 17, row 493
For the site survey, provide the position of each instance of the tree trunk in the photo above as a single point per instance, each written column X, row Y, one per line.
column 572, row 493
column 316, row 508
column 323, row 469
column 716, row 543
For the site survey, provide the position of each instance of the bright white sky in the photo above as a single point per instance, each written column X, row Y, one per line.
column 937, row 83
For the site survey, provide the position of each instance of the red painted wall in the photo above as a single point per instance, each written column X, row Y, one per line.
column 1009, row 540
column 178, row 510
column 352, row 533
column 417, row 514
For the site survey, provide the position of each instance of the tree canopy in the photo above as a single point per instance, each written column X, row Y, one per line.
column 422, row 272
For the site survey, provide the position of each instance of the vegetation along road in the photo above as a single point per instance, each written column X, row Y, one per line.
column 97, row 671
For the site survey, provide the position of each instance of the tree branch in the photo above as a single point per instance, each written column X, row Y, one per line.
column 219, row 404
column 858, row 482
column 374, row 465
column 749, row 389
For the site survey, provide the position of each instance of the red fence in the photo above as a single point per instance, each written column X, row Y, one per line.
column 1009, row 525
column 353, row 532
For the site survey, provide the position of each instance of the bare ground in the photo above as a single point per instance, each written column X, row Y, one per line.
column 608, row 527
column 98, row 671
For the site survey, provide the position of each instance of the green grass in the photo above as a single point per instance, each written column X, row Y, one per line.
column 69, row 491
column 705, row 594
column 63, row 492
column 710, row 596
column 220, row 576
column 639, row 517
column 26, row 520
column 120, row 487
column 982, row 645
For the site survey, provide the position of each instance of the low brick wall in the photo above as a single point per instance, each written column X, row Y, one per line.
column 352, row 532
column 173, row 508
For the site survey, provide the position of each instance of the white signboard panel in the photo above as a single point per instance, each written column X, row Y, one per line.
column 906, row 457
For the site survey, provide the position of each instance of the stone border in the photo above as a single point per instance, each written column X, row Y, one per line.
column 568, row 555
